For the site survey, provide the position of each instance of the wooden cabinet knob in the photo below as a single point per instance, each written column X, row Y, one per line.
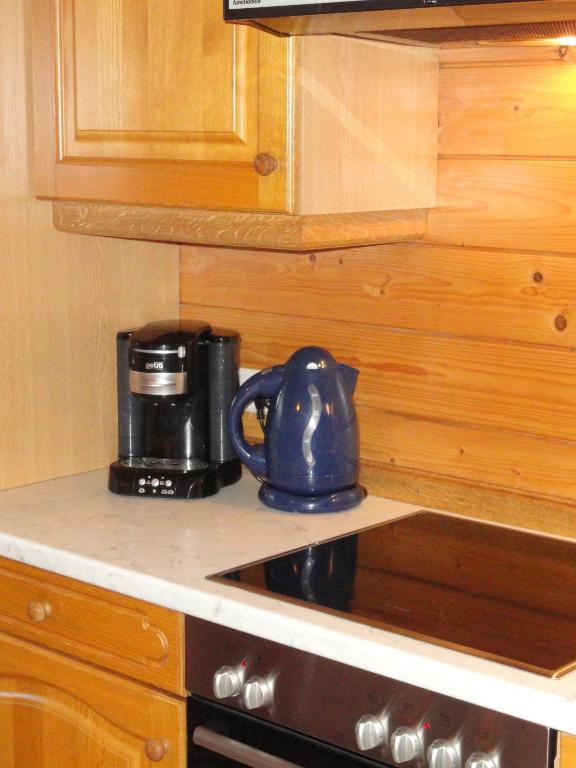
column 265, row 164
column 37, row 611
column 156, row 749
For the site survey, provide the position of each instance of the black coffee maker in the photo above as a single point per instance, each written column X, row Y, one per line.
column 176, row 380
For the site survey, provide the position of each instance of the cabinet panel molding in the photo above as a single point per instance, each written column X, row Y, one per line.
column 145, row 70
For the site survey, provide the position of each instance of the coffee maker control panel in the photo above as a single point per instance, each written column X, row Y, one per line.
column 155, row 485
column 169, row 478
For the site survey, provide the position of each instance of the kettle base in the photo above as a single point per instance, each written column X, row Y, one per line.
column 327, row 502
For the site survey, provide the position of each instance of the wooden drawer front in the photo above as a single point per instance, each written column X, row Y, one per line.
column 56, row 712
column 119, row 633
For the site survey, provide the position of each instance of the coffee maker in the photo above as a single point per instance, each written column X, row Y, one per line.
column 176, row 380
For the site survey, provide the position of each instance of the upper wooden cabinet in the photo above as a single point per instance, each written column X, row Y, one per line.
column 160, row 104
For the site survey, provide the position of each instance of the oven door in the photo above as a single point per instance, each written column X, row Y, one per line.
column 220, row 737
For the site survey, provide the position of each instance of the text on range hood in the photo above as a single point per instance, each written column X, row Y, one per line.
column 432, row 22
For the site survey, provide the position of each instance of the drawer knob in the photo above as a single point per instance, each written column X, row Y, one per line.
column 37, row 611
column 156, row 749
column 265, row 164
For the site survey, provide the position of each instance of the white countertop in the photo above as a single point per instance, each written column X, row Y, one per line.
column 161, row 551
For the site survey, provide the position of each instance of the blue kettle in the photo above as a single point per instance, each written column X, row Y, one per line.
column 310, row 458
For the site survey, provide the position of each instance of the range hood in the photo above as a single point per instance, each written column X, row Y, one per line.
column 424, row 22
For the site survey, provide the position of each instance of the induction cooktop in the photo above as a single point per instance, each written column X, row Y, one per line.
column 493, row 592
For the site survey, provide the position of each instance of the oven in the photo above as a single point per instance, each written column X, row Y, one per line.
column 262, row 704
column 220, row 737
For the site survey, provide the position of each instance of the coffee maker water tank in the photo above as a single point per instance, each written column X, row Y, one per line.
column 176, row 380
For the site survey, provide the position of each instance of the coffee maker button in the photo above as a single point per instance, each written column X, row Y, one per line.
column 168, row 483
column 155, row 482
column 142, row 481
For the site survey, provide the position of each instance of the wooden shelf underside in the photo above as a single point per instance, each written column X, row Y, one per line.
column 240, row 230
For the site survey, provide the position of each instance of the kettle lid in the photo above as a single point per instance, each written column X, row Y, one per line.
column 311, row 359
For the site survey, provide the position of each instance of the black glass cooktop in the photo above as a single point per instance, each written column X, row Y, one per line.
column 489, row 591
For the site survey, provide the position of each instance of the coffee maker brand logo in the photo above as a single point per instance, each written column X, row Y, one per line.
column 155, row 366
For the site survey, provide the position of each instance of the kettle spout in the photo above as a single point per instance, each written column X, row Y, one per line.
column 350, row 376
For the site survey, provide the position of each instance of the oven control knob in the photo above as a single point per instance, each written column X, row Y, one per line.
column 480, row 760
column 227, row 683
column 370, row 732
column 406, row 745
column 257, row 693
column 443, row 754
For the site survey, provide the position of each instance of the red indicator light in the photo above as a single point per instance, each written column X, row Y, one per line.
column 244, row 664
column 427, row 725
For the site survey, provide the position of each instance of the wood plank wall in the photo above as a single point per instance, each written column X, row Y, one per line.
column 465, row 342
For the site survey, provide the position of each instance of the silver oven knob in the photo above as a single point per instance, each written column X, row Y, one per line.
column 406, row 745
column 480, row 760
column 443, row 754
column 227, row 683
column 257, row 693
column 370, row 732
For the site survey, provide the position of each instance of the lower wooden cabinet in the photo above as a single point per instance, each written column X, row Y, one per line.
column 59, row 713
column 119, row 633
column 566, row 751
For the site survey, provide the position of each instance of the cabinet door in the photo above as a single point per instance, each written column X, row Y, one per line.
column 55, row 712
column 566, row 751
column 159, row 102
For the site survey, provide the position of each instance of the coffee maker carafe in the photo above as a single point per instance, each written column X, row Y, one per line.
column 176, row 380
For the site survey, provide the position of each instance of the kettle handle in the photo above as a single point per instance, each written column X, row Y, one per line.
column 266, row 383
